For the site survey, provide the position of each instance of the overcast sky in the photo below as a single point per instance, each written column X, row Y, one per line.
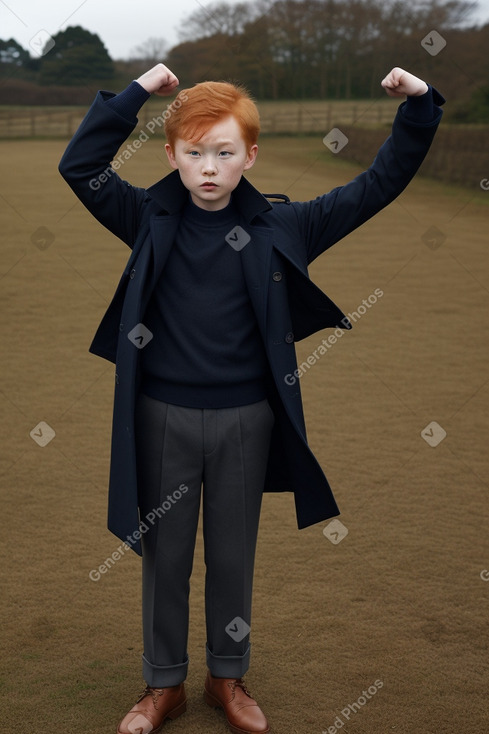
column 120, row 25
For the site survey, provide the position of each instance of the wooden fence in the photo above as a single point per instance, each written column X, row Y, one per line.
column 460, row 154
column 276, row 118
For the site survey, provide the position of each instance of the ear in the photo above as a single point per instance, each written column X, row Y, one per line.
column 171, row 156
column 252, row 153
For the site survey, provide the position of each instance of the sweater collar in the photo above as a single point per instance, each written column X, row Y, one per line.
column 172, row 195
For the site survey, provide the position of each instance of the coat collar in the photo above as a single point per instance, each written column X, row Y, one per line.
column 171, row 194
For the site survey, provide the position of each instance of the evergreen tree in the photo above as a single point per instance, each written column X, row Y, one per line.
column 78, row 57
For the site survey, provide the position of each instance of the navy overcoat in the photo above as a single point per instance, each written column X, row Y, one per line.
column 285, row 238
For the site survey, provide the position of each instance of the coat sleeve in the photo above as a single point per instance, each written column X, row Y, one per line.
column 330, row 217
column 86, row 167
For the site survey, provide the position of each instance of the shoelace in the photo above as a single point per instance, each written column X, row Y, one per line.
column 241, row 684
column 155, row 694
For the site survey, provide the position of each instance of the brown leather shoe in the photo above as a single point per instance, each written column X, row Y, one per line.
column 242, row 712
column 152, row 708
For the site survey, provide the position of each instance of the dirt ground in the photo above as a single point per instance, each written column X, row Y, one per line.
column 375, row 626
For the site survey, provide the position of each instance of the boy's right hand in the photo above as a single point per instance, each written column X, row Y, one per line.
column 158, row 80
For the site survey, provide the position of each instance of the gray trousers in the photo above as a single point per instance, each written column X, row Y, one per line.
column 181, row 453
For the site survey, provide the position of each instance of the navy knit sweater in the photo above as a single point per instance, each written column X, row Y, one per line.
column 206, row 351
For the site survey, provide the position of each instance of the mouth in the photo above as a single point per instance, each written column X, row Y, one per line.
column 208, row 185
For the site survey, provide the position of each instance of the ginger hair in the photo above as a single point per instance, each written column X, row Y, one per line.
column 196, row 109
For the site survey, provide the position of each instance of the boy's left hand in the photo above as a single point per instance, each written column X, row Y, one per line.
column 398, row 83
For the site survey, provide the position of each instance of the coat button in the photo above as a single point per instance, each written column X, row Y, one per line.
column 121, row 327
column 277, row 276
column 132, row 274
column 289, row 338
column 116, row 378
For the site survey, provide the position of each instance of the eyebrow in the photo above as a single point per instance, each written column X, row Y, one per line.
column 218, row 142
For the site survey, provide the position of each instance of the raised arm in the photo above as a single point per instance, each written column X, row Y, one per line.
column 330, row 217
column 86, row 163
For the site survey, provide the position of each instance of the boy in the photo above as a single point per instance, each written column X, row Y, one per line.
column 202, row 329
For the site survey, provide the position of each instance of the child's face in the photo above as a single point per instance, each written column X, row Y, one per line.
column 211, row 169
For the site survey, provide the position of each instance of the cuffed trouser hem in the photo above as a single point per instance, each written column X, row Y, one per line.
column 164, row 676
column 228, row 666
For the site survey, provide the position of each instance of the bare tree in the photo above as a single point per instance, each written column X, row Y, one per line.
column 152, row 51
column 215, row 18
column 326, row 48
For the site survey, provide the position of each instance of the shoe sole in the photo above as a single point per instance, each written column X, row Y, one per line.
column 173, row 714
column 216, row 704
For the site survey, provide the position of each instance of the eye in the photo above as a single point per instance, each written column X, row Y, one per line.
column 225, row 153
column 193, row 153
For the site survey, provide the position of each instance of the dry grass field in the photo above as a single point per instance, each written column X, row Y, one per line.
column 396, row 413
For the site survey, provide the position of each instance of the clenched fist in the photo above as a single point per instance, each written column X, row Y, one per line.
column 398, row 83
column 158, row 80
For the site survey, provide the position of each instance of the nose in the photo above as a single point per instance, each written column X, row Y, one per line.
column 209, row 167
